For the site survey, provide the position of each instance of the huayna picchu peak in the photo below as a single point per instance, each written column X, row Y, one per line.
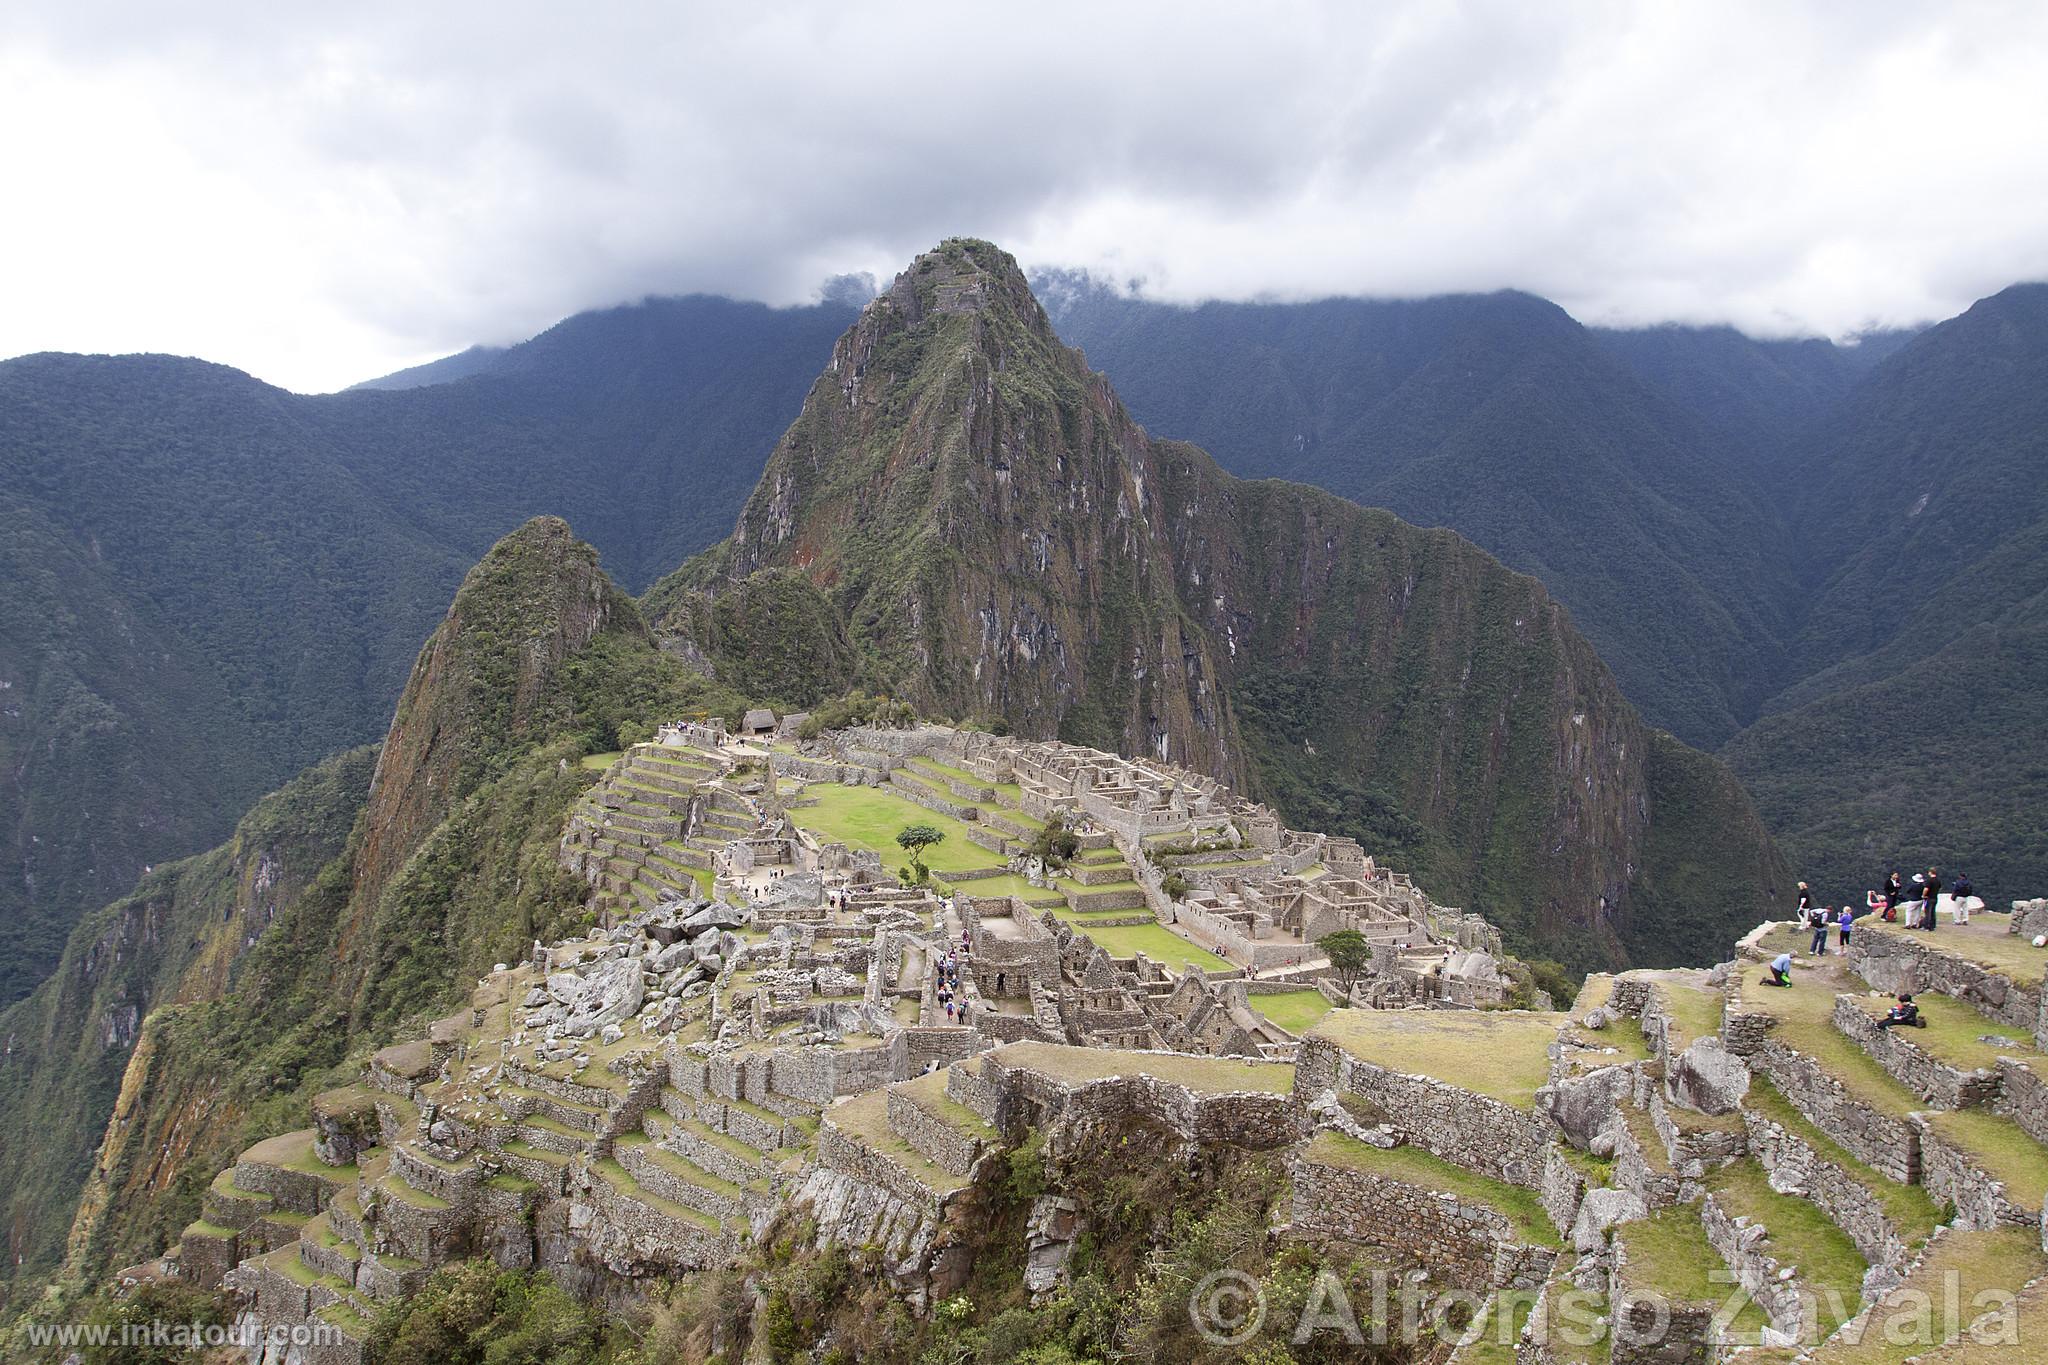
column 965, row 516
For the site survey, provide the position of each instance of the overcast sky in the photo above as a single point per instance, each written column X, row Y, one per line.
column 321, row 199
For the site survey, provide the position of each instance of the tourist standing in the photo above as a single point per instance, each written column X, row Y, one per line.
column 1817, row 920
column 1894, row 893
column 1843, row 922
column 1933, row 897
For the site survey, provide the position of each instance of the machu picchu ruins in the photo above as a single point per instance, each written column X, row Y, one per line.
column 768, row 1020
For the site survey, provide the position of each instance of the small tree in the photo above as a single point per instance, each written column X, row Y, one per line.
column 1055, row 844
column 1175, row 885
column 1348, row 953
column 914, row 840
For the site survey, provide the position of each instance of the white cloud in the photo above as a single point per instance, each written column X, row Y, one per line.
column 319, row 199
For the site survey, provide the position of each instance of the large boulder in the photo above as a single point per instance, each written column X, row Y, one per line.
column 713, row 917
column 611, row 994
column 1599, row 1212
column 1708, row 1077
column 1585, row 1106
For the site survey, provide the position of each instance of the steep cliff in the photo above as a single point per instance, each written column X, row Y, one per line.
column 999, row 540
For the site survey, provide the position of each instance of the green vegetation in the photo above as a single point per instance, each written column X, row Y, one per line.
column 368, row 932
column 1901, row 1326
column 1157, row 942
column 1668, row 1253
column 1009, row 884
column 915, row 840
column 472, row 1313
column 869, row 817
column 1413, row 1166
column 1829, row 1264
column 1292, row 1010
column 1347, row 951
column 1503, row 1055
column 1805, row 1015
column 1212, row 1074
column 1908, row 1206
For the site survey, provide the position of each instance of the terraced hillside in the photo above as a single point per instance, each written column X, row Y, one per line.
column 1686, row 1164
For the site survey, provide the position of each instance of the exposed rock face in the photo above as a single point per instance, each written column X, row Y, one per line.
column 1600, row 1212
column 1709, row 1078
column 1585, row 1107
column 981, row 518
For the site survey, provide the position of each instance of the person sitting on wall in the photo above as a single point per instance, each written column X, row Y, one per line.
column 1905, row 1014
column 1781, row 970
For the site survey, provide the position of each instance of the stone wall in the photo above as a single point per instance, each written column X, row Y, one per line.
column 1649, row 1329
column 1631, row 995
column 1746, row 1249
column 1796, row 1167
column 1254, row 1119
column 1893, row 960
column 1643, row 1171
column 1935, row 1081
column 1469, row 1244
column 2024, row 1097
column 1951, row 1178
column 942, row 1144
column 1891, row 1145
column 1562, row 1189
column 850, row 1156
column 2029, row 918
column 1474, row 1131
column 966, row 1085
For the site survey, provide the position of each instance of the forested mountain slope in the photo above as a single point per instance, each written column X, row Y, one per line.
column 207, row 584
column 364, row 895
column 1564, row 452
column 1913, row 729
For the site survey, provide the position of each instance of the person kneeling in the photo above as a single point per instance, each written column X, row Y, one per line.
column 1781, row 970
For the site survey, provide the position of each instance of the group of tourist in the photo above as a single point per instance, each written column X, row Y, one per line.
column 1913, row 903
column 949, row 985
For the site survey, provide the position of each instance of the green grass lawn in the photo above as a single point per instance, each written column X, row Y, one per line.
column 1492, row 1336
column 597, row 763
column 1908, row 1206
column 1800, row 1234
column 1074, row 888
column 1210, row 1075
column 1294, row 1011
column 1987, row 940
column 1413, row 1166
column 1157, row 942
column 1955, row 1031
column 1669, row 1253
column 1006, row 885
column 933, row 766
column 1806, row 1024
column 1957, row 1269
column 869, row 817
column 1695, row 1011
column 867, row 1117
column 1501, row 1054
